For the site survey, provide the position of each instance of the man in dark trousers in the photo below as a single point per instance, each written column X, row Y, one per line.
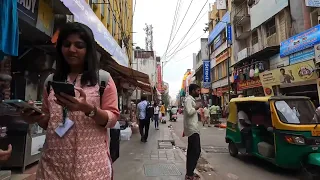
column 191, row 130
column 144, row 119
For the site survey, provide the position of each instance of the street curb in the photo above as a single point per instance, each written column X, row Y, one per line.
column 203, row 153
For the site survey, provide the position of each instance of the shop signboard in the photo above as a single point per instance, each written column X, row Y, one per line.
column 317, row 53
column 221, row 4
column 222, row 57
column 206, row 74
column 28, row 11
column 290, row 74
column 219, row 27
column 83, row 13
column 159, row 78
column 301, row 56
column 45, row 18
column 229, row 34
column 301, row 41
column 248, row 84
column 312, row 3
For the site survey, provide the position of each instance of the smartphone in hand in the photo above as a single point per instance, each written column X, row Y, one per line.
column 63, row 87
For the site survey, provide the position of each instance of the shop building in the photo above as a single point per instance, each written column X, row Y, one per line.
column 39, row 24
column 220, row 52
column 258, row 30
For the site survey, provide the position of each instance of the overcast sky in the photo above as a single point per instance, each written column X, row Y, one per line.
column 160, row 13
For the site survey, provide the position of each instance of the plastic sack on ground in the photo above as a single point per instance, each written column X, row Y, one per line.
column 126, row 134
column 135, row 128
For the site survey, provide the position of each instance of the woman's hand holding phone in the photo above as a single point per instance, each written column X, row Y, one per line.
column 30, row 116
column 5, row 154
column 74, row 103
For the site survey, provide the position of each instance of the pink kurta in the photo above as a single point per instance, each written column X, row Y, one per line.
column 83, row 152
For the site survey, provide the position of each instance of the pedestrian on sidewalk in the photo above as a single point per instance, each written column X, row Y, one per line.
column 191, row 129
column 144, row 121
column 76, row 145
column 156, row 115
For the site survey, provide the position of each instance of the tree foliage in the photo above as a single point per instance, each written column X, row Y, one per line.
column 165, row 99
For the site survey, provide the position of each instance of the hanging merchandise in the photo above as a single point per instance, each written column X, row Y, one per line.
column 248, row 73
column 9, row 31
column 256, row 70
column 241, row 74
column 261, row 68
column 244, row 72
column 251, row 71
column 236, row 74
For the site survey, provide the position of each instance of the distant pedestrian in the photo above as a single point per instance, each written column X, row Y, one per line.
column 144, row 122
column 163, row 110
column 156, row 115
column 206, row 119
column 191, row 130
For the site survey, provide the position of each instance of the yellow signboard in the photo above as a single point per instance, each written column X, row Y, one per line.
column 290, row 74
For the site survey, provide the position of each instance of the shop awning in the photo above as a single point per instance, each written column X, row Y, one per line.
column 135, row 78
column 261, row 55
column 137, row 75
column 83, row 13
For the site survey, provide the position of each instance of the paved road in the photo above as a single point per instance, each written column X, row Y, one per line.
column 242, row 168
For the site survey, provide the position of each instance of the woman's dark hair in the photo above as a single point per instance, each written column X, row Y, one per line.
column 90, row 73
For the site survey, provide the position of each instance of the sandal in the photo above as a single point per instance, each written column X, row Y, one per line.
column 194, row 177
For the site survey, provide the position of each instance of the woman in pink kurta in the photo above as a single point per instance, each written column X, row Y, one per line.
column 82, row 153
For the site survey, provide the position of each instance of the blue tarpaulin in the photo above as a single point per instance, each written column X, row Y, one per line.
column 9, row 31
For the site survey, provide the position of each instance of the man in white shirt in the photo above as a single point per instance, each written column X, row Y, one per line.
column 244, row 126
column 144, row 122
column 191, row 129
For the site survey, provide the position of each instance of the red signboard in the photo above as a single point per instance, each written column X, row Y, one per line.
column 159, row 80
column 249, row 84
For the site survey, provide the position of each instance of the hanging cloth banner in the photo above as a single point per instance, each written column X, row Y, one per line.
column 9, row 31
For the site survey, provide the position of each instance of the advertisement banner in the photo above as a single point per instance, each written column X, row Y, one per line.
column 159, row 78
column 248, row 84
column 83, row 13
column 217, row 42
column 206, row 74
column 290, row 74
column 312, row 3
column 301, row 41
column 301, row 56
column 261, row 11
column 317, row 53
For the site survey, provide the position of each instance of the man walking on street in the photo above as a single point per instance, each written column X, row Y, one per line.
column 191, row 130
column 144, row 121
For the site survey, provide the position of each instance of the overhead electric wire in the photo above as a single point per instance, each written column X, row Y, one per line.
column 175, row 51
column 174, row 22
column 185, row 14
column 189, row 37
column 173, row 54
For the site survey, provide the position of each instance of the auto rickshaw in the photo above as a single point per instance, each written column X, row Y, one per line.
column 283, row 130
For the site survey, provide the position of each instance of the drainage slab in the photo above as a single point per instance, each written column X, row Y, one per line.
column 153, row 170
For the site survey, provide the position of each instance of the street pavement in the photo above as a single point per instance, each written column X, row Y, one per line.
column 214, row 150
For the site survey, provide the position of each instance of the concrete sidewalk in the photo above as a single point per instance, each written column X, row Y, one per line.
column 157, row 159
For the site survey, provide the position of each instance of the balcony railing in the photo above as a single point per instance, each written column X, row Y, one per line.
column 241, row 14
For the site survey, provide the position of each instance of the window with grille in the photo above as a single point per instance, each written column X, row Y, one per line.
column 271, row 27
column 254, row 37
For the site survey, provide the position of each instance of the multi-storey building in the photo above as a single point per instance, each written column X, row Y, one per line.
column 219, row 51
column 117, row 17
column 273, row 44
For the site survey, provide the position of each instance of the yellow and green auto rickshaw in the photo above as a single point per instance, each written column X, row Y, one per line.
column 283, row 130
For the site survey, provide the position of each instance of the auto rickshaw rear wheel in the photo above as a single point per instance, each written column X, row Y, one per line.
column 233, row 150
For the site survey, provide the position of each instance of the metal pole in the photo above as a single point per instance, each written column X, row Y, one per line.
column 137, row 88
